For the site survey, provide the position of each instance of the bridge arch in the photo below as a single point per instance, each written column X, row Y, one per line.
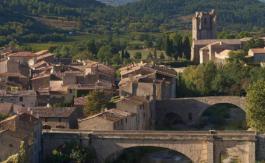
column 191, row 109
column 111, row 148
column 222, row 116
column 147, row 153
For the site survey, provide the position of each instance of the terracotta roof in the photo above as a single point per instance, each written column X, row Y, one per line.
column 25, row 117
column 111, row 115
column 23, row 54
column 134, row 99
column 161, row 69
column 39, row 64
column 226, row 41
column 258, row 50
column 45, row 112
column 44, row 56
column 41, row 77
column 42, row 52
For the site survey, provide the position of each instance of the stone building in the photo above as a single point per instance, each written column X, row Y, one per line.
column 204, row 25
column 148, row 81
column 141, row 107
column 18, row 128
column 146, row 86
column 204, row 42
column 40, row 82
column 60, row 117
column 24, row 98
column 113, row 119
column 9, row 109
column 14, row 73
column 208, row 52
column 204, row 50
column 257, row 55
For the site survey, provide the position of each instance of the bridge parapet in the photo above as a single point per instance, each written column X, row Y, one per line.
column 197, row 145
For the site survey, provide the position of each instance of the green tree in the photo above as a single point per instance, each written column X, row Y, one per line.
column 72, row 152
column 237, row 56
column 116, row 59
column 162, row 56
column 22, row 154
column 104, row 54
column 186, row 47
column 255, row 106
column 138, row 55
column 253, row 43
column 96, row 102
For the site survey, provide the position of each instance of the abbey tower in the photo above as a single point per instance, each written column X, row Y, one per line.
column 204, row 25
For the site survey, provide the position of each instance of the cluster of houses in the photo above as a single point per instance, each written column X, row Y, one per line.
column 35, row 89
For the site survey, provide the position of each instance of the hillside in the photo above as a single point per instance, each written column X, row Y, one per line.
column 25, row 20
column 117, row 2
column 168, row 14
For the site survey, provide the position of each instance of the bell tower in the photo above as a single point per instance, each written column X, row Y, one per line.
column 204, row 25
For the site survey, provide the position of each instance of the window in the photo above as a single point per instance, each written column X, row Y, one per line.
column 60, row 119
column 45, row 119
column 20, row 99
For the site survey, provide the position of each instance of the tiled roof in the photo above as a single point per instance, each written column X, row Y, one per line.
column 45, row 112
column 44, row 56
column 42, row 52
column 258, row 50
column 23, row 54
column 41, row 77
column 39, row 64
column 111, row 115
column 134, row 99
column 226, row 41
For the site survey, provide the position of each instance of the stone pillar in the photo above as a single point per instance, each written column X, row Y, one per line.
column 210, row 150
column 251, row 152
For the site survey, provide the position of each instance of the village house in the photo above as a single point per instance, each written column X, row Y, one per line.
column 40, row 82
column 257, row 55
column 17, row 129
column 59, row 117
column 9, row 109
column 22, row 56
column 26, row 98
column 147, row 80
column 141, row 107
column 113, row 119
column 14, row 74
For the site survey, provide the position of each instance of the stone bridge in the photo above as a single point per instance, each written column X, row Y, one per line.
column 200, row 147
column 191, row 109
